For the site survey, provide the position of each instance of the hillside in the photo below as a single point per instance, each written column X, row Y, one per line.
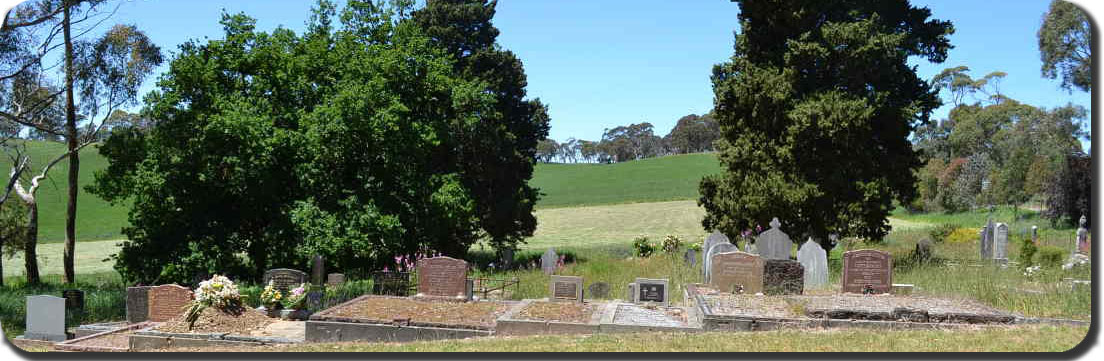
column 650, row 180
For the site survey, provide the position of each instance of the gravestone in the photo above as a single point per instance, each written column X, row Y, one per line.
column 45, row 318
column 137, row 304
column 723, row 247
column 335, row 279
column 652, row 291
column 314, row 300
column 736, row 272
column 285, row 279
column 548, row 261
column 867, row 271
column 442, row 276
column 1035, row 235
column 774, row 244
column 598, row 290
column 815, row 261
column 390, row 283
column 74, row 300
column 783, row 277
column 318, row 270
column 632, row 291
column 167, row 302
column 1082, row 236
column 566, row 288
column 690, row 257
column 987, row 240
column 1000, row 242
column 710, row 241
column 506, row 257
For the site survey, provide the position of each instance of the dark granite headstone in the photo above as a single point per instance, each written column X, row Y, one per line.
column 652, row 290
column 598, row 290
column 442, row 276
column 867, row 271
column 783, row 277
column 318, row 270
column 137, row 304
column 74, row 300
column 285, row 279
column 314, row 300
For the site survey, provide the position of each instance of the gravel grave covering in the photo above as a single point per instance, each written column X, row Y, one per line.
column 650, row 316
column 422, row 312
column 115, row 340
column 212, row 320
column 572, row 312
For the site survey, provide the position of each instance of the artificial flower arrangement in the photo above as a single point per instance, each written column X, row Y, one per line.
column 296, row 297
column 219, row 292
column 271, row 297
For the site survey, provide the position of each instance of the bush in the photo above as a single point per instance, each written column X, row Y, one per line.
column 1050, row 256
column 671, row 244
column 642, row 248
column 941, row 232
column 1027, row 252
column 962, row 235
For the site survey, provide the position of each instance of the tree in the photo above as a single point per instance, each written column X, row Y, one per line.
column 547, row 149
column 1069, row 196
column 693, row 134
column 815, row 110
column 1065, row 45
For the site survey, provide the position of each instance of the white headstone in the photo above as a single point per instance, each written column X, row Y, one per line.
column 548, row 261
column 987, row 240
column 710, row 241
column 774, row 244
column 1082, row 236
column 716, row 249
column 45, row 318
column 1000, row 242
column 815, row 260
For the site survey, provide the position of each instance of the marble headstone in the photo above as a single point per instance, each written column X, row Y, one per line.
column 548, row 261
column 335, row 279
column 1000, row 242
column 815, row 260
column 713, row 239
column 774, row 244
column 987, row 240
column 722, row 247
column 45, row 318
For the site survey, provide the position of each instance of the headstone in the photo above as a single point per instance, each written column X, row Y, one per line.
column 167, row 302
column 74, row 300
column 314, row 300
column 506, row 258
column 717, row 248
column 566, row 288
column 284, row 279
column 390, row 283
column 783, row 277
column 987, row 240
column 137, row 304
column 335, row 279
column 598, row 290
column 690, row 257
column 632, row 291
column 45, row 318
column 1000, row 242
column 866, row 271
column 1082, row 236
column 815, row 260
column 774, row 244
column 318, row 270
column 1035, row 235
column 548, row 261
column 710, row 241
column 737, row 272
column 652, row 291
column 442, row 276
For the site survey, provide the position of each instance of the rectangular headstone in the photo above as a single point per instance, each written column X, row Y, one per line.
column 867, row 271
column 548, row 261
column 137, row 304
column 783, row 277
column 566, row 288
column 774, row 244
column 652, row 291
column 167, row 302
column 285, row 279
column 815, row 260
column 45, row 318
column 442, row 276
column 335, row 279
column 737, row 272
column 1000, row 242
column 717, row 248
column 318, row 270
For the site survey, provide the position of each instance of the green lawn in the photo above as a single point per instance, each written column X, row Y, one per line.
column 650, row 180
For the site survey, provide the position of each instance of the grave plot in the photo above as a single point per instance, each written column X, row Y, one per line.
column 215, row 327
column 388, row 318
column 538, row 317
column 628, row 317
column 114, row 339
column 902, row 308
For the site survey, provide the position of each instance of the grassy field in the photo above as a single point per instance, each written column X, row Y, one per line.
column 96, row 219
column 650, row 180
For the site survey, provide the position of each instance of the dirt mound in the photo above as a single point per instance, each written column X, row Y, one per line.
column 212, row 320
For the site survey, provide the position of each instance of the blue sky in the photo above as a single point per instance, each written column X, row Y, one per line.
column 604, row 63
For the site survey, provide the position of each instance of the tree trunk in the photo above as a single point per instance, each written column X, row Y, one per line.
column 30, row 255
column 74, row 158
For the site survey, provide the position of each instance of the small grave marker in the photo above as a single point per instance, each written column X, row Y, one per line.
column 314, row 300
column 548, row 261
column 866, row 271
column 45, row 318
column 987, row 240
column 566, row 288
column 137, row 304
column 737, row 272
column 285, row 279
column 652, row 290
column 690, row 257
column 335, row 279
column 442, row 276
column 1082, row 236
column 167, row 302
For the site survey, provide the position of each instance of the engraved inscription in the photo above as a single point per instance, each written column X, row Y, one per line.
column 866, row 271
column 442, row 276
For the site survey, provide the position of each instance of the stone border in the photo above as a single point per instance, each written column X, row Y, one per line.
column 324, row 315
column 94, row 328
column 71, row 345
column 509, row 325
column 333, row 331
column 149, row 339
column 607, row 326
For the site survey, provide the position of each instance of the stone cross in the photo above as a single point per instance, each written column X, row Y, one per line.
column 774, row 244
column 815, row 260
column 45, row 318
column 548, row 261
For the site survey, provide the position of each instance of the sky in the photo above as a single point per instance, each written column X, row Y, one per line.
column 599, row 64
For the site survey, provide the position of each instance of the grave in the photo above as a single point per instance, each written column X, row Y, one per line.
column 167, row 302
column 652, row 291
column 137, row 304
column 566, row 288
column 74, row 300
column 867, row 271
column 1000, row 242
column 401, row 319
column 774, row 244
column 598, row 290
column 711, row 240
column 442, row 277
column 284, row 279
column 690, row 257
column 45, row 318
column 737, row 272
column 548, row 261
column 815, row 260
column 335, row 279
column 783, row 277
column 318, row 270
column 986, row 243
column 722, row 247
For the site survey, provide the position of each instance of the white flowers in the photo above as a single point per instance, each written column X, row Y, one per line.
column 218, row 291
column 1030, row 271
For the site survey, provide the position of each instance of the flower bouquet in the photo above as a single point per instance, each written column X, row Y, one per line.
column 295, row 303
column 270, row 299
column 218, row 292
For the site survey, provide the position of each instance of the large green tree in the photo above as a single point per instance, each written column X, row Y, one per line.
column 815, row 111
column 1065, row 45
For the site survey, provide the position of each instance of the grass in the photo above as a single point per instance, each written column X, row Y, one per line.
column 96, row 219
column 650, row 180
column 91, row 258
column 104, row 300
column 1017, row 339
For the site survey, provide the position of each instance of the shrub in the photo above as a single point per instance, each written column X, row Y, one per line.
column 296, row 297
column 1050, row 256
column 642, row 248
column 671, row 244
column 941, row 232
column 1027, row 252
column 962, row 235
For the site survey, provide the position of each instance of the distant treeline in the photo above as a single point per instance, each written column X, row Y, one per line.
column 692, row 134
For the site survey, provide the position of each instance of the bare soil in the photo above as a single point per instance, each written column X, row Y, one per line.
column 115, row 340
column 571, row 312
column 422, row 312
column 212, row 320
